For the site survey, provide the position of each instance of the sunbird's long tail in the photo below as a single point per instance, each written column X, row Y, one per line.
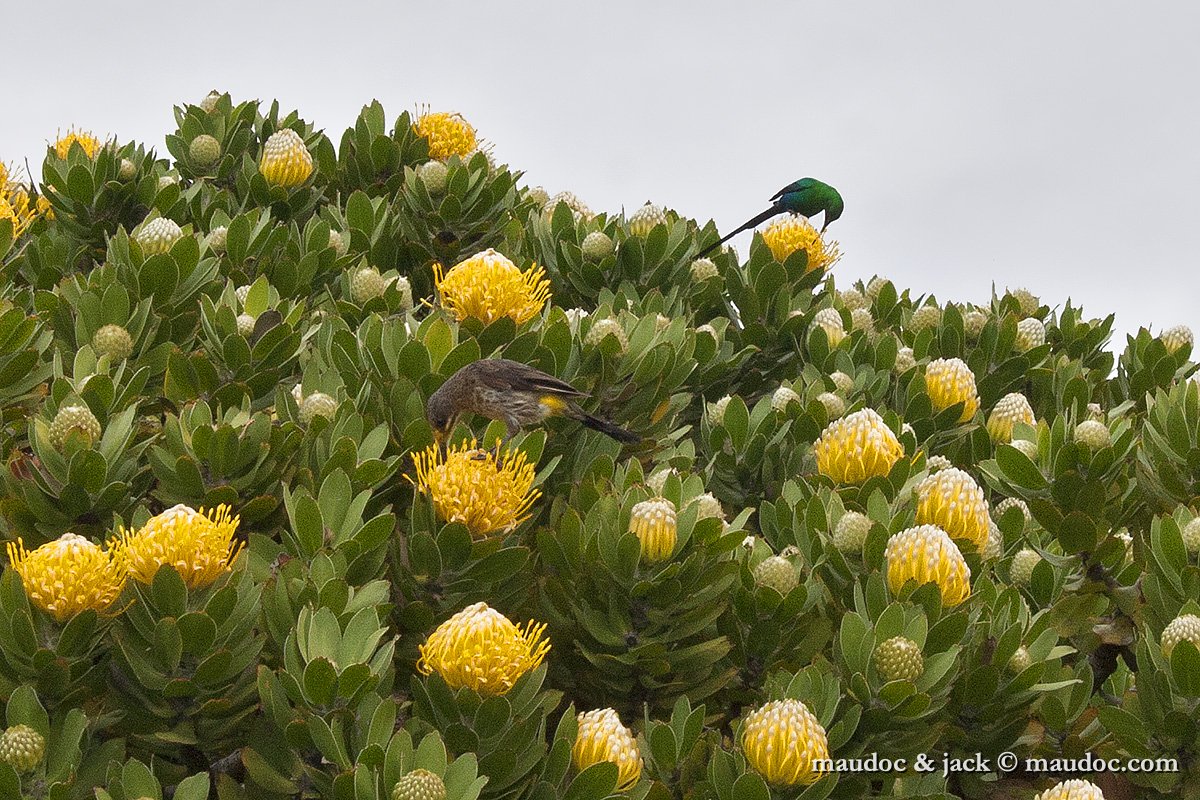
column 750, row 223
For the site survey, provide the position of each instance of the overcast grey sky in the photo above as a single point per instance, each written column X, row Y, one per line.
column 1050, row 145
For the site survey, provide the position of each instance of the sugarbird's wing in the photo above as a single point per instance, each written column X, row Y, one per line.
column 524, row 378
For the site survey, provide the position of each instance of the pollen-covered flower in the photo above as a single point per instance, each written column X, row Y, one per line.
column 474, row 487
column 949, row 381
column 1072, row 790
column 602, row 737
column 830, row 319
column 200, row 546
column 85, row 139
column 707, row 506
column 995, row 543
column 899, row 659
column 784, row 743
column 953, row 501
column 366, row 284
column 479, row 648
column 875, row 286
column 792, row 232
column 653, row 521
column 68, row 575
column 1020, row 660
column 447, row 133
column 1008, row 411
column 937, row 462
column 285, row 159
column 317, row 404
column 857, row 447
column 1030, row 449
column 861, row 320
column 927, row 554
column 1185, row 627
column 15, row 207
column 1031, row 333
column 1177, row 337
column 434, row 174
column 1012, row 502
column 1191, row 536
column 645, row 219
column 488, row 286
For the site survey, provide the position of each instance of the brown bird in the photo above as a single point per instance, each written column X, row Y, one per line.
column 514, row 393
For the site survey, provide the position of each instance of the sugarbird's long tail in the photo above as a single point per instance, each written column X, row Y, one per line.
column 609, row 429
column 750, row 223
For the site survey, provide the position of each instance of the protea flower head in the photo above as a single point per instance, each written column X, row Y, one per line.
column 317, row 404
column 1027, row 447
column 488, row 494
column 158, row 236
column 597, row 246
column 602, row 737
column 420, row 784
column 862, row 320
column 905, row 360
column 645, row 219
column 949, row 381
column 285, row 159
column 434, row 174
column 830, row 319
column 653, row 522
column 245, row 324
column 74, row 418
column 875, row 286
column 926, row 554
column 602, row 329
column 366, row 284
column 791, row 232
column 1185, row 627
column 777, row 573
column 1072, row 790
column 447, row 133
column 217, row 239
column 209, row 103
column 714, row 412
column 850, row 532
column 204, row 150
column 579, row 209
column 1020, row 660
column 843, row 383
column 1191, row 536
column 852, row 298
column 242, row 293
column 126, row 170
column 707, row 506
column 85, row 139
column 1176, row 338
column 1031, row 333
column 538, row 196
column 927, row 316
column 856, row 447
column 1020, row 571
column 703, row 269
column 835, row 406
column 937, row 462
column 974, row 322
column 67, row 576
column 783, row 397
column 899, row 659
column 338, row 242
column 1008, row 411
column 1093, row 435
column 113, row 341
column 1027, row 301
column 1012, row 502
column 481, row 649
column 953, row 501
column 199, row 545
column 995, row 543
column 488, row 286
column 22, row 748
column 658, row 479
column 784, row 743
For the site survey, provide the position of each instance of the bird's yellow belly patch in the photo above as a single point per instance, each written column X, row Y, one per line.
column 552, row 403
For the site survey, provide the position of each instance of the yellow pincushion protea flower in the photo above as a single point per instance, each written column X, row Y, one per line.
column 602, row 737
column 68, row 575
column 950, row 381
column 953, row 501
column 475, row 487
column 1072, row 790
column 785, row 743
column 448, row 134
column 198, row 545
column 857, row 447
column 489, row 286
column 20, row 215
column 479, row 648
column 927, row 554
column 85, row 139
column 1008, row 411
column 654, row 523
column 792, row 232
column 285, row 159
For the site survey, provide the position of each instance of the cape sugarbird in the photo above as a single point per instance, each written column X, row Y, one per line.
column 807, row 197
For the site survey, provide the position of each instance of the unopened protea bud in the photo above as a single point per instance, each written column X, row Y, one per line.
column 579, row 209
column 1008, row 411
column 597, row 246
column 113, row 341
column 875, row 285
column 74, row 418
column 538, row 196
column 715, row 412
column 204, row 150
column 209, row 103
column 995, row 542
column 703, row 269
column 434, row 175
column 337, row 242
column 1184, row 628
column 974, row 322
column 782, row 398
column 1191, row 536
column 127, row 170
column 1031, row 333
column 852, row 299
column 1026, row 301
column 317, row 404
column 835, row 406
column 22, row 748
column 1020, row 571
column 241, row 293
column 861, row 320
column 831, row 321
column 217, row 239
column 1093, row 435
column 659, row 479
column 843, row 383
column 420, row 784
column 777, row 573
column 158, row 236
column 366, row 284
column 708, row 329
column 245, row 324
column 1012, row 502
column 645, row 219
column 708, row 506
column 929, row 316
column 167, row 180
column 904, row 360
column 404, row 287
column 899, row 659
column 1176, row 338
column 851, row 531
column 1020, row 660
column 602, row 329
column 1030, row 449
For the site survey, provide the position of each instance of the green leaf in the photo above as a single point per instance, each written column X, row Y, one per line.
column 1019, row 469
column 194, row 788
column 1185, row 666
column 594, row 783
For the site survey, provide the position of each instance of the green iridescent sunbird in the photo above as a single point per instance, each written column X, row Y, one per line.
column 807, row 197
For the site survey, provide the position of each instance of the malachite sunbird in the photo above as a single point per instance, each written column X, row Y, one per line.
column 807, row 197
